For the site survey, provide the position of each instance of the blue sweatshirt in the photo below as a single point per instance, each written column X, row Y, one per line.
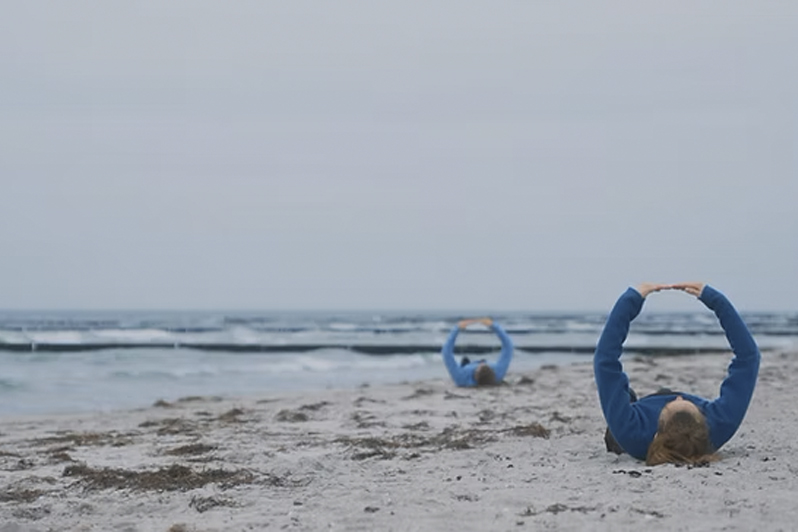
column 464, row 375
column 634, row 424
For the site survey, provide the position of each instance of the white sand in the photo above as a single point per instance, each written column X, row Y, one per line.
column 420, row 456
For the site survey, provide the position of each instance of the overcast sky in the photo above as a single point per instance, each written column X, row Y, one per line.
column 420, row 155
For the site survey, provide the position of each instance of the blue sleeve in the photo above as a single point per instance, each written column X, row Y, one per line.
column 611, row 381
column 738, row 386
column 501, row 365
column 459, row 376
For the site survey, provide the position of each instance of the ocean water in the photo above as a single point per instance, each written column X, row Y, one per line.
column 63, row 362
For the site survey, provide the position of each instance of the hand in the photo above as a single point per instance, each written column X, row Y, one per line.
column 693, row 289
column 647, row 288
column 462, row 324
column 484, row 321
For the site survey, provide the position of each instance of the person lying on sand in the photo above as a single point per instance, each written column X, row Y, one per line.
column 673, row 427
column 482, row 372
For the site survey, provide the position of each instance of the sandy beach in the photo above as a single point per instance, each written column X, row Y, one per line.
column 415, row 456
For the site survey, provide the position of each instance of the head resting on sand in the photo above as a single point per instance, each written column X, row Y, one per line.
column 484, row 375
column 682, row 436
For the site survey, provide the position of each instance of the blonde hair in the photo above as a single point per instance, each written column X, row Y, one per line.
column 682, row 439
column 484, row 375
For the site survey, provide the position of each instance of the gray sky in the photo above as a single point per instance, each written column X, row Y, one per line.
column 420, row 155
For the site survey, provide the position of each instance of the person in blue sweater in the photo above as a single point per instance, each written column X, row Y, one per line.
column 668, row 426
column 482, row 372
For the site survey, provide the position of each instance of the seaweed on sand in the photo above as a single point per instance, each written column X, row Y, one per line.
column 86, row 439
column 291, row 416
column 26, row 495
column 172, row 425
column 533, row 429
column 231, row 416
column 449, row 438
column 203, row 504
column 172, row 478
column 191, row 449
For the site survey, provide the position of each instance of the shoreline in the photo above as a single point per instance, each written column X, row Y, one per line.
column 419, row 455
column 63, row 390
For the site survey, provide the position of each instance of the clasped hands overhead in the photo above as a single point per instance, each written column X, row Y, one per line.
column 694, row 289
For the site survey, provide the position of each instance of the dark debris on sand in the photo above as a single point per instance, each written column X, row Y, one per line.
column 179, row 425
column 315, row 406
column 200, row 399
column 172, row 425
column 360, row 400
column 449, row 438
column 60, row 456
column 447, row 395
column 86, row 439
column 203, row 504
column 191, row 449
column 232, row 416
column 26, row 495
column 533, row 429
column 419, row 392
column 292, row 416
column 172, row 478
column 365, row 420
column 421, row 425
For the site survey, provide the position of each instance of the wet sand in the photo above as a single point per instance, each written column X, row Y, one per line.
column 416, row 456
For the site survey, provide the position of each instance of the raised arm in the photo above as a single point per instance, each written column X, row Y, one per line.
column 611, row 381
column 738, row 386
column 501, row 365
column 459, row 376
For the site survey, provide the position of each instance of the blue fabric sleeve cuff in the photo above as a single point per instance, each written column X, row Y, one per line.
column 632, row 292
column 709, row 295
